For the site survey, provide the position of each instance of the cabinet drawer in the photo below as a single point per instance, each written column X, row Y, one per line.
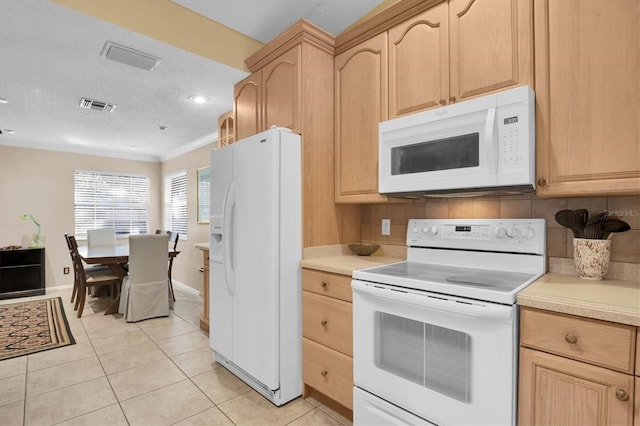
column 328, row 371
column 327, row 284
column 603, row 343
column 327, row 321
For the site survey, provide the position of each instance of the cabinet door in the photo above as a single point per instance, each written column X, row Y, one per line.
column 360, row 104
column 419, row 62
column 490, row 45
column 558, row 391
column 281, row 91
column 588, row 97
column 248, row 106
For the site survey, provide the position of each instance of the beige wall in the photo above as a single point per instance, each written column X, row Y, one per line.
column 40, row 183
column 187, row 265
column 624, row 248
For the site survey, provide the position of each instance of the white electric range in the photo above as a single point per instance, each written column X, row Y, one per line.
column 435, row 337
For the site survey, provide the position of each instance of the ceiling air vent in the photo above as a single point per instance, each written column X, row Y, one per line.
column 128, row 56
column 97, row 105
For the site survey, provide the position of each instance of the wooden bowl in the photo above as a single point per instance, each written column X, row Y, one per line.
column 364, row 249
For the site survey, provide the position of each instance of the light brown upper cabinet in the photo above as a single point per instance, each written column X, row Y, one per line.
column 360, row 104
column 281, row 91
column 226, row 130
column 292, row 86
column 588, row 97
column 247, row 106
column 457, row 50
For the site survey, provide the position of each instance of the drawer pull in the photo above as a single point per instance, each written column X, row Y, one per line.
column 323, row 323
column 571, row 339
column 324, row 373
column 324, row 284
column 622, row 395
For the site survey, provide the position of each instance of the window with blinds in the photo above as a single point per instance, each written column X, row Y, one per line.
column 175, row 203
column 109, row 200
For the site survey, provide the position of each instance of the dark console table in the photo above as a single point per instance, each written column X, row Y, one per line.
column 21, row 272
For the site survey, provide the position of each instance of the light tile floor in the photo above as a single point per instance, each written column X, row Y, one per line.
column 154, row 372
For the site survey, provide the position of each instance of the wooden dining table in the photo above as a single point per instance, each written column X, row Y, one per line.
column 115, row 257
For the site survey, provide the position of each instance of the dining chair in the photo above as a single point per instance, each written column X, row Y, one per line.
column 145, row 290
column 84, row 280
column 173, row 244
column 101, row 237
column 87, row 268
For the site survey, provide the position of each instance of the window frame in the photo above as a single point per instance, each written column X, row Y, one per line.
column 107, row 203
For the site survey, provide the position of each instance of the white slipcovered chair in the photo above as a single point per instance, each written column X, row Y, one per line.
column 101, row 237
column 145, row 290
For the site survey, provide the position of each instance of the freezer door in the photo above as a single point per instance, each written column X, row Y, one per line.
column 255, row 252
column 220, row 298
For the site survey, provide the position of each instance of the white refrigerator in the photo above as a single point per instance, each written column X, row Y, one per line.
column 255, row 318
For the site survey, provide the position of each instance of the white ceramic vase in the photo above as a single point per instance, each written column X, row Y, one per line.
column 591, row 257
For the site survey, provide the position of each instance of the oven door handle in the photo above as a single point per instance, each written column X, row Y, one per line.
column 498, row 312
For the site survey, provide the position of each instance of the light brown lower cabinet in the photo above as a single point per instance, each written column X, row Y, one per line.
column 327, row 343
column 576, row 371
column 559, row 391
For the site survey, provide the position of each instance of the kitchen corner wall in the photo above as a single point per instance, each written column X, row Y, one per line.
column 625, row 246
column 186, row 267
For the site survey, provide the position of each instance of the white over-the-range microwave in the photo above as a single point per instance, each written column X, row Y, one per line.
column 483, row 145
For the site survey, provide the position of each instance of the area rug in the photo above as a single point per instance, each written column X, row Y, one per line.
column 33, row 326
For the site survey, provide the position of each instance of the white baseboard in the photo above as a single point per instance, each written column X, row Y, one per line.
column 59, row 287
column 186, row 287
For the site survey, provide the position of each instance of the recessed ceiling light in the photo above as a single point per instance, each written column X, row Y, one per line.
column 199, row 99
column 3, row 101
column 9, row 131
column 132, row 147
column 162, row 127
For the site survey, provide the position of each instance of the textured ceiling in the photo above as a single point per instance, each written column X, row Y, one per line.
column 51, row 57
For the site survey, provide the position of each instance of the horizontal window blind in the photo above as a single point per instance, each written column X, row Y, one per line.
column 109, row 200
column 176, row 203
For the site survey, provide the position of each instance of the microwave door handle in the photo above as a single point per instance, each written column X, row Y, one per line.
column 494, row 312
column 491, row 136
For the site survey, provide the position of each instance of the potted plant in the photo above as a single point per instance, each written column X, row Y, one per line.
column 592, row 240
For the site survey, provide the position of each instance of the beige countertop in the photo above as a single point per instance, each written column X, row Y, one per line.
column 202, row 246
column 340, row 260
column 609, row 300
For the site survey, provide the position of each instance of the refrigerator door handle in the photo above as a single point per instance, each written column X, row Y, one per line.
column 227, row 232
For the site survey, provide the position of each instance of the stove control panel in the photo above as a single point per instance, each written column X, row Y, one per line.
column 508, row 235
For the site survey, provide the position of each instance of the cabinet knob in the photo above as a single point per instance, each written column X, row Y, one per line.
column 442, row 102
column 542, row 182
column 323, row 323
column 452, row 98
column 324, row 373
column 622, row 395
column 571, row 339
column 324, row 284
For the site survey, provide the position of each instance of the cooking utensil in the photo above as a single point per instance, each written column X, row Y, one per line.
column 614, row 225
column 593, row 227
column 574, row 220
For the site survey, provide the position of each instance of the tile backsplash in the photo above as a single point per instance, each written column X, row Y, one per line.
column 624, row 248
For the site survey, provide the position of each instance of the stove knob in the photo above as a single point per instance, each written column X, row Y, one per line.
column 434, row 230
column 499, row 231
column 514, row 232
column 425, row 230
column 415, row 230
column 528, row 232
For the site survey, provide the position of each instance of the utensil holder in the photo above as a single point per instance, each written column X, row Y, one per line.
column 591, row 257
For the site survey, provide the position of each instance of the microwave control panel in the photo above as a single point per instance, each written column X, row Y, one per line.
column 511, row 134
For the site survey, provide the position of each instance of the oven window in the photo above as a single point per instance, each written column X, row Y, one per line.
column 435, row 357
column 442, row 154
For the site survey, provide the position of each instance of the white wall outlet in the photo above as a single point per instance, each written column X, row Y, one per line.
column 386, row 227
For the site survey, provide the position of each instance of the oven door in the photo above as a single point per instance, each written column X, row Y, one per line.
column 448, row 360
